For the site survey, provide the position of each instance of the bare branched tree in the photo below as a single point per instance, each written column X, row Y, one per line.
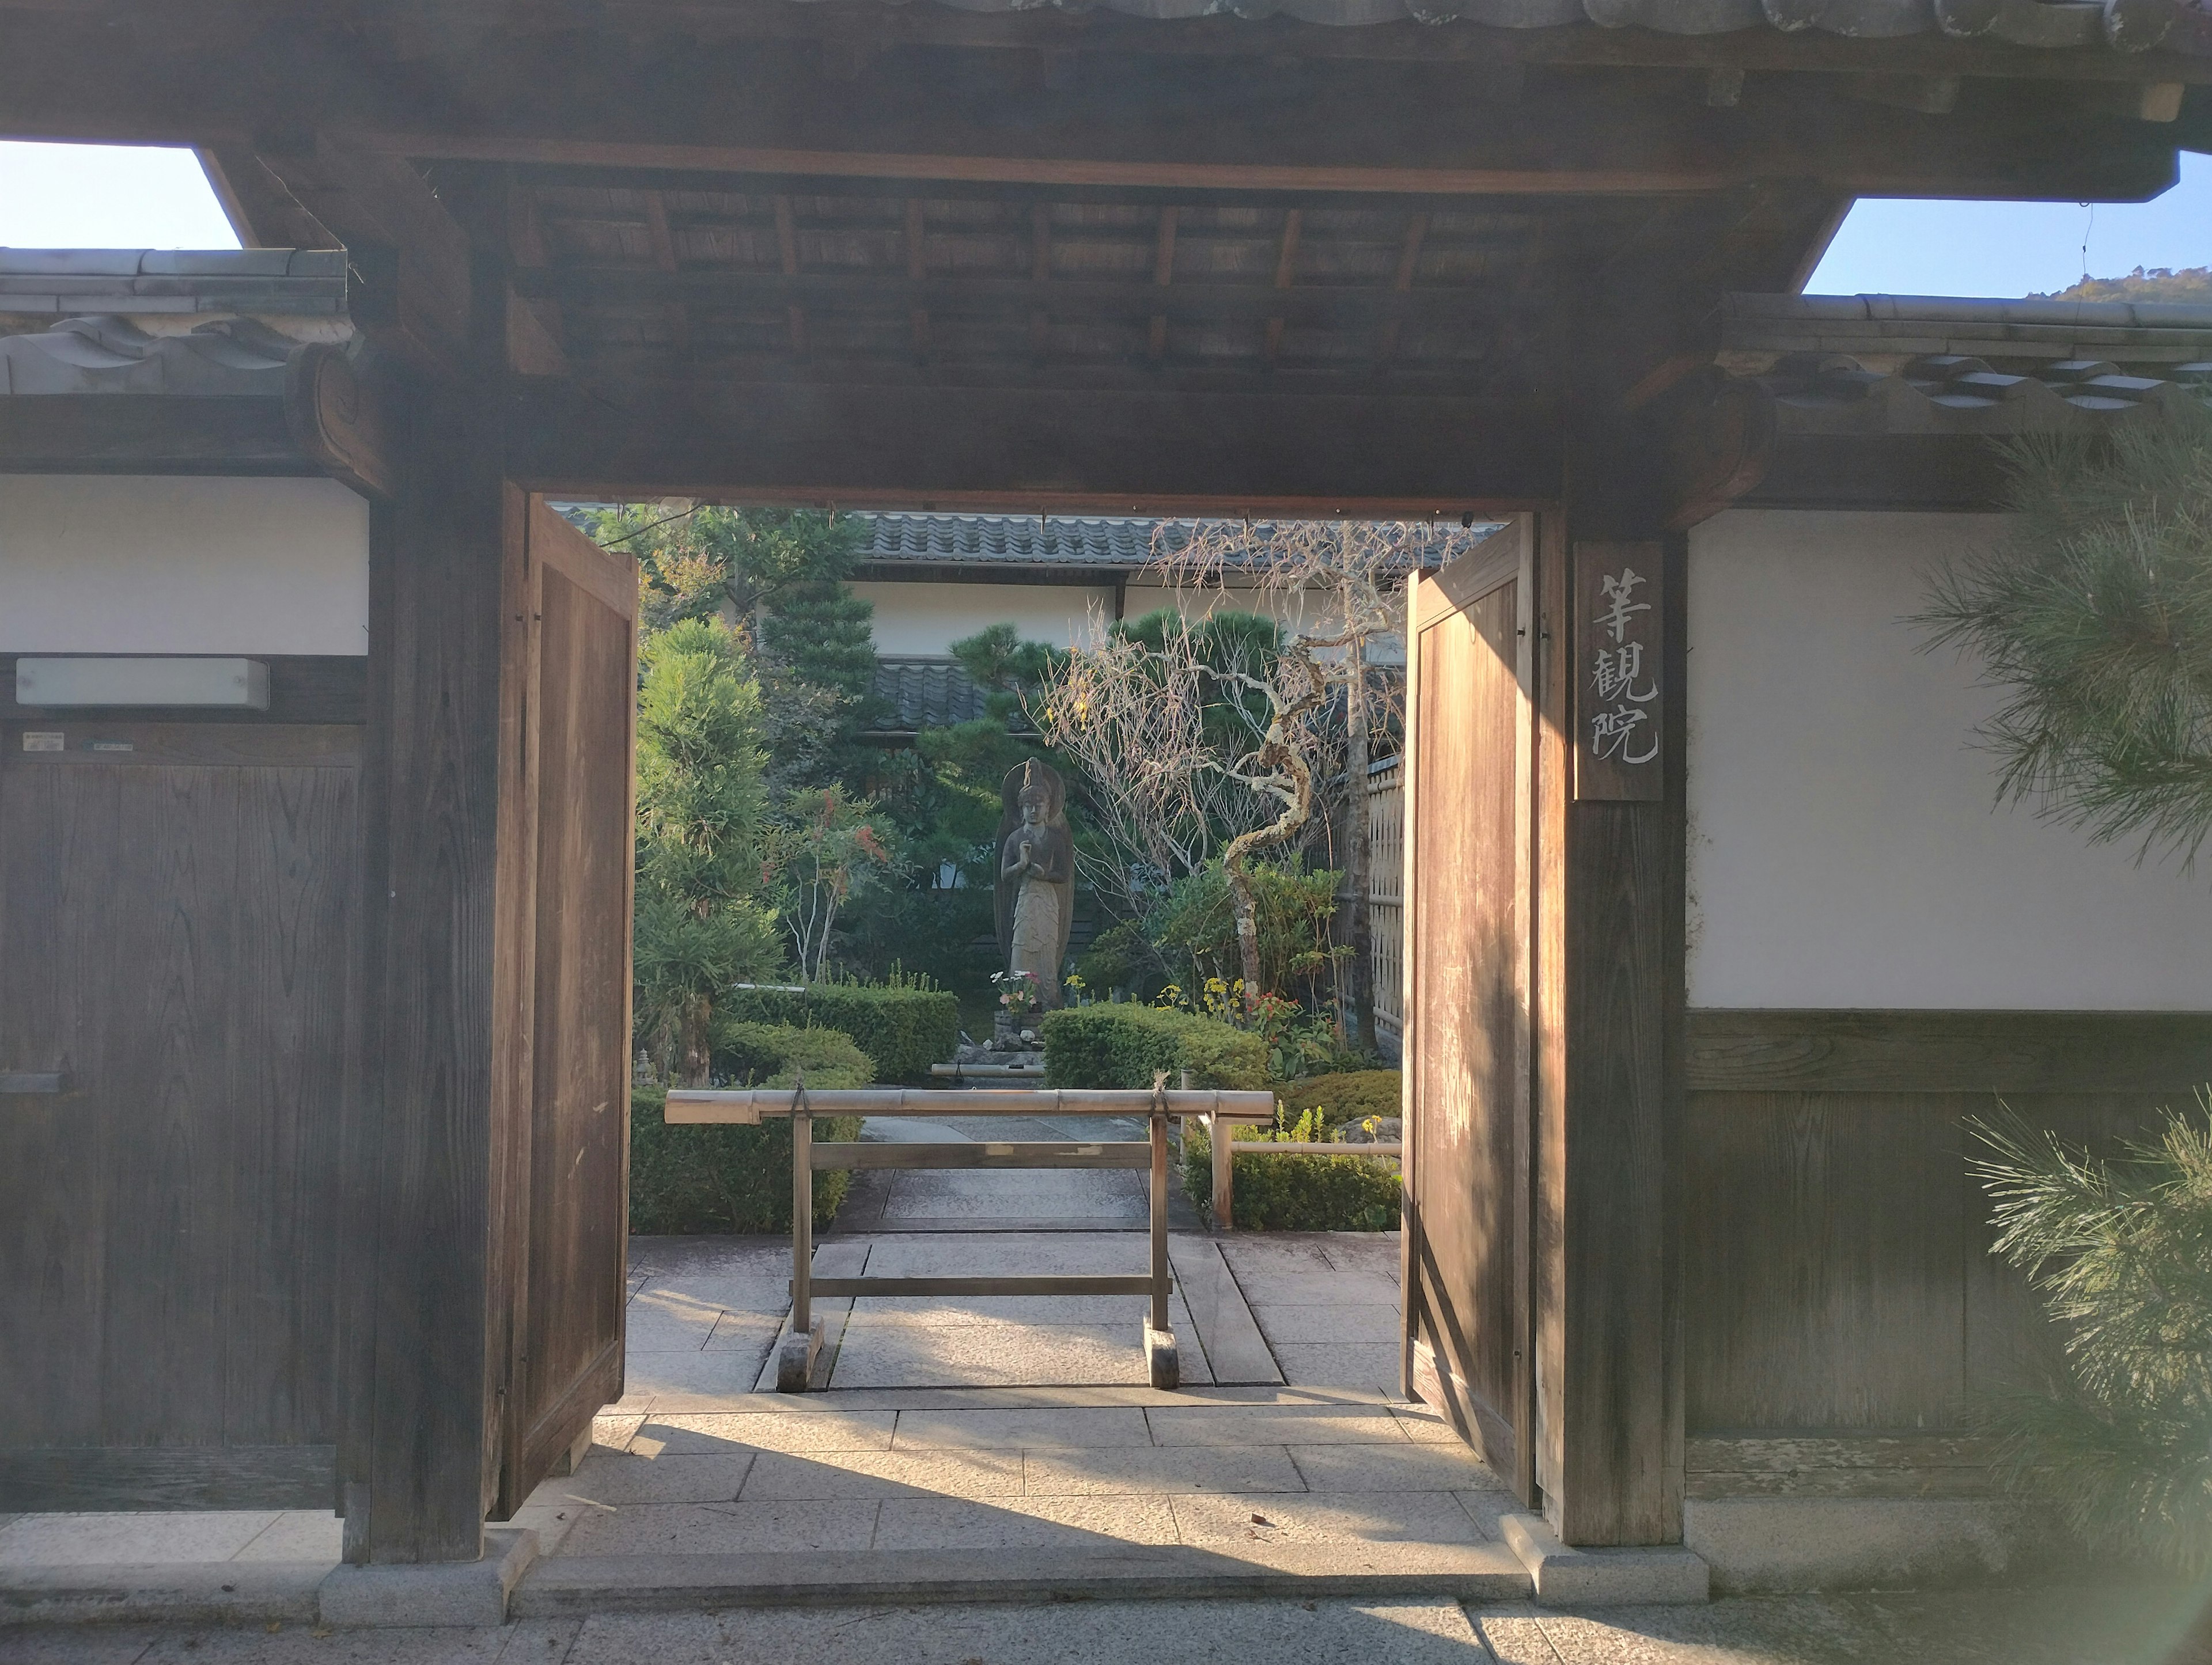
column 1352, row 574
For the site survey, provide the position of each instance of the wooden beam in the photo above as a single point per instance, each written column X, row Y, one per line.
column 1250, row 304
column 534, row 344
column 412, row 262
column 263, row 212
column 147, row 434
column 1157, row 121
column 921, row 442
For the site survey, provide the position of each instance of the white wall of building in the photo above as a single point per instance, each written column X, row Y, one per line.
column 929, row 617
column 141, row 564
column 1845, row 846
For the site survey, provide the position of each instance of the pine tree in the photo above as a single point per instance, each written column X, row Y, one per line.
column 2095, row 617
column 700, row 799
column 2121, row 1252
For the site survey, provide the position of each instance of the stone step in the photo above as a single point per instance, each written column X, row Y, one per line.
column 573, row 1584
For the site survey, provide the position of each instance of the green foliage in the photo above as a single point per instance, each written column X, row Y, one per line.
column 706, row 562
column 1121, row 1046
column 996, row 658
column 2121, row 1252
column 1297, row 1193
column 773, row 1056
column 1348, row 1095
column 700, row 926
column 690, row 1178
column 905, row 1023
column 826, row 850
column 2094, row 617
column 2188, row 284
column 1194, row 927
column 821, row 632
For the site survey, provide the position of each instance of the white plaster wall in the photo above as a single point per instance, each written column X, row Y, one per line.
column 928, row 618
column 1845, row 848
column 141, row 564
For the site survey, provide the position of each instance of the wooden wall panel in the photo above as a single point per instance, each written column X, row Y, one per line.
column 177, row 925
column 1838, row 1277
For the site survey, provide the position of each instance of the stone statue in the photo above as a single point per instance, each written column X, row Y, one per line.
column 1037, row 877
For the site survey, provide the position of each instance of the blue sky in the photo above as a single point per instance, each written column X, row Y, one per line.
column 73, row 196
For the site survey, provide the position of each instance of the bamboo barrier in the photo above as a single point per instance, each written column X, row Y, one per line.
column 800, row 1349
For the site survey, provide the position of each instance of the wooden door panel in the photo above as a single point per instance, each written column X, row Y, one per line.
column 568, row 1096
column 174, row 938
column 1467, row 1056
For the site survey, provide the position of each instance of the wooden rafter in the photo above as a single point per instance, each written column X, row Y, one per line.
column 1163, row 275
column 787, row 248
column 917, row 268
column 1286, row 265
column 1040, row 274
column 664, row 257
column 1409, row 258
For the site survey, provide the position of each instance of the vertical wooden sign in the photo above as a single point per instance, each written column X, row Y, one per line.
column 1619, row 673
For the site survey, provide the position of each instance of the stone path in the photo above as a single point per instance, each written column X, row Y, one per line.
column 2066, row 1626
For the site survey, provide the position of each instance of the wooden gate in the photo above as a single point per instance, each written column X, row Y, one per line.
column 562, row 988
column 1469, row 903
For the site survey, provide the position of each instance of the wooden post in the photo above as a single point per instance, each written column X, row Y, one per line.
column 1162, row 1367
column 418, row 1436
column 1225, row 1174
column 797, row 1353
column 1610, row 965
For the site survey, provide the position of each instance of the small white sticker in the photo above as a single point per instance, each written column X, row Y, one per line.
column 42, row 743
column 112, row 745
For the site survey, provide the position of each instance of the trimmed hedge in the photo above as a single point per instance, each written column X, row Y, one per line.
column 1349, row 1095
column 904, row 1025
column 688, row 1178
column 1297, row 1193
column 772, row 1054
column 1121, row 1046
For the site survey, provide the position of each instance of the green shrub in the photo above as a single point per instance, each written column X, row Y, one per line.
column 689, row 1178
column 1297, row 1194
column 1350, row 1095
column 904, row 1023
column 771, row 1054
column 1121, row 1046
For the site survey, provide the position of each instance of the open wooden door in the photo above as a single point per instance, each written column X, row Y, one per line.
column 561, row 1124
column 1470, row 741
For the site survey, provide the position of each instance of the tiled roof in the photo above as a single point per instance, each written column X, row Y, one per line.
column 1951, row 392
column 2123, row 25
column 256, row 283
column 922, row 691
column 1012, row 540
column 1904, row 365
column 113, row 355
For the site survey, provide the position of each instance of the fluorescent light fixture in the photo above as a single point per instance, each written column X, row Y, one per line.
column 239, row 683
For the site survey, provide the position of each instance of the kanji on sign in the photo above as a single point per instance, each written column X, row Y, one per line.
column 1620, row 671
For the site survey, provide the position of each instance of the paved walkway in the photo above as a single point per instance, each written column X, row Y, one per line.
column 2071, row 1626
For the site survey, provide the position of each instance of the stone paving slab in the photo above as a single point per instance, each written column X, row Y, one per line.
column 1273, row 1425
column 780, row 1475
column 1160, row 1469
column 1367, row 1519
column 1016, row 1428
column 1028, row 1523
column 1407, row 1467
column 1326, row 1364
column 707, row 1433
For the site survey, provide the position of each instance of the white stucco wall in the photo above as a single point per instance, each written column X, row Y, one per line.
column 141, row 564
column 1845, row 848
column 928, row 618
